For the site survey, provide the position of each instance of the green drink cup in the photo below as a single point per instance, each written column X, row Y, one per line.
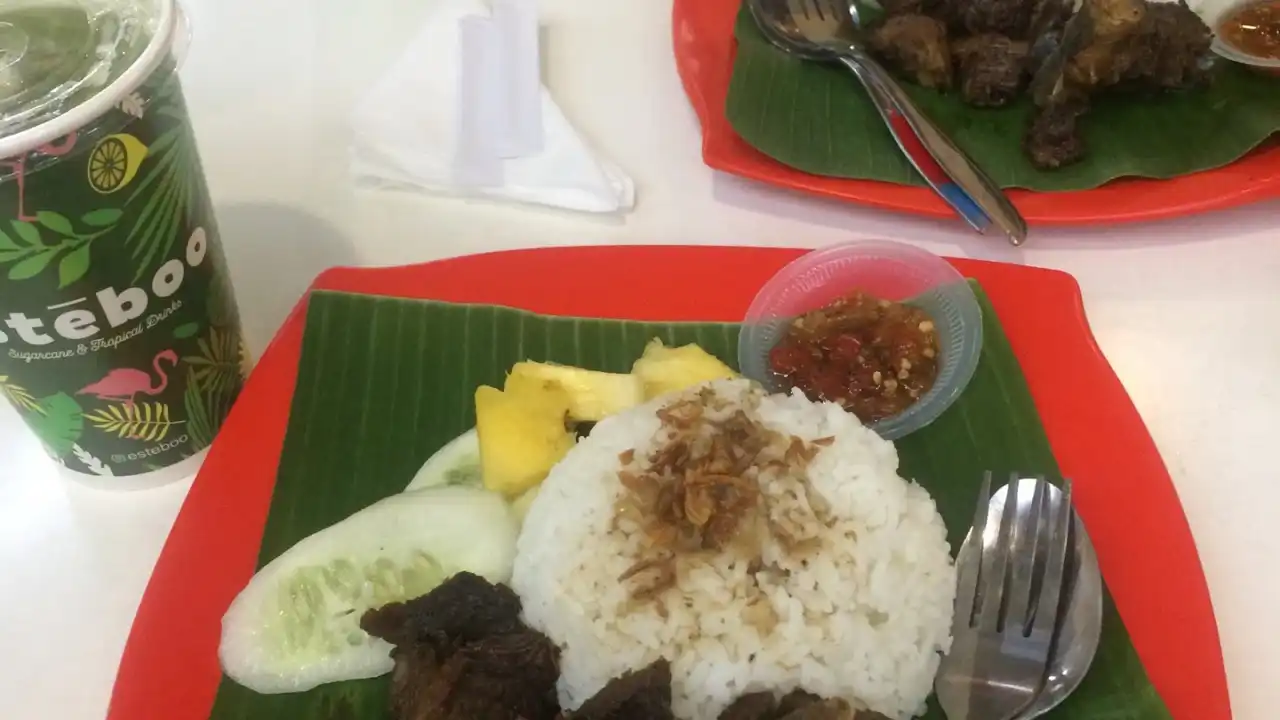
column 120, row 341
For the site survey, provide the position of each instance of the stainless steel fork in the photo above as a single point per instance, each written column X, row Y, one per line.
column 1007, row 602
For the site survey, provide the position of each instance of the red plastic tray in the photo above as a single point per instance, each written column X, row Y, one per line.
column 170, row 667
column 704, row 48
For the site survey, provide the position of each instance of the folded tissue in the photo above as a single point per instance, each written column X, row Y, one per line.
column 463, row 112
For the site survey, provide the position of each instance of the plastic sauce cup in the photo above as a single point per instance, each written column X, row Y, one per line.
column 120, row 340
column 1214, row 13
column 889, row 271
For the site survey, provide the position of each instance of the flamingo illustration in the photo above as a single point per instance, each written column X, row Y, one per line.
column 125, row 383
column 19, row 167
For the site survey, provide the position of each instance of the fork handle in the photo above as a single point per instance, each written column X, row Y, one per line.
column 932, row 153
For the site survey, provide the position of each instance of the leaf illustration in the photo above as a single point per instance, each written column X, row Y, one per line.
column 9, row 255
column 164, row 141
column 73, row 266
column 60, row 424
column 95, row 466
column 217, row 367
column 167, row 188
column 163, row 161
column 165, row 205
column 149, row 422
column 102, row 217
column 19, row 396
column 144, row 226
column 200, row 425
column 33, row 265
column 27, row 232
column 206, row 412
column 7, row 243
column 56, row 222
column 186, row 330
column 220, row 300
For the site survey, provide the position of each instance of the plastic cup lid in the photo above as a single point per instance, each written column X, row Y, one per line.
column 64, row 62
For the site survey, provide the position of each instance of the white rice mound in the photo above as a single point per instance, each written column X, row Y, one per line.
column 863, row 619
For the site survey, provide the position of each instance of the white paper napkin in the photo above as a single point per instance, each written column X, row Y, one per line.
column 463, row 112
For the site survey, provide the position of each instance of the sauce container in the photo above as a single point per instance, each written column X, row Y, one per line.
column 890, row 271
column 1215, row 13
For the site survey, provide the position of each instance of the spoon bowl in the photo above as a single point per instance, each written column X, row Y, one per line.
column 773, row 17
column 1080, row 629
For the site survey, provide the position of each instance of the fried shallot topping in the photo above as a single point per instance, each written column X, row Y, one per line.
column 700, row 490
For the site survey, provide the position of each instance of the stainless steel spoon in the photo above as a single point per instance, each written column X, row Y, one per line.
column 826, row 31
column 1080, row 628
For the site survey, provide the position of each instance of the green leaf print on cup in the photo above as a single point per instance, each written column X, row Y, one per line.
column 36, row 256
column 103, row 217
column 73, row 266
column 33, row 265
column 59, row 424
column 205, row 411
column 55, row 222
column 153, row 233
column 28, row 233
column 218, row 366
column 186, row 330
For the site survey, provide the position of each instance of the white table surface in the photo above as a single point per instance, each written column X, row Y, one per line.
column 1187, row 311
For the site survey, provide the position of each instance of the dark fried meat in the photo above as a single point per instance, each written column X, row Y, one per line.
column 1053, row 140
column 1112, row 23
column 463, row 609
column 904, row 7
column 514, row 673
column 462, row 653
column 822, row 710
column 1003, row 17
column 916, row 46
column 640, row 695
column 752, row 706
column 1170, row 50
column 992, row 69
column 795, row 700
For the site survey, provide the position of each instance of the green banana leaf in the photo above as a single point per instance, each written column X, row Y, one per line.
column 383, row 383
column 818, row 119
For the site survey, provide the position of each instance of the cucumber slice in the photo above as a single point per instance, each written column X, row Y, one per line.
column 455, row 464
column 297, row 623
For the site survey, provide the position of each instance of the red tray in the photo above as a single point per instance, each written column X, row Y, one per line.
column 705, row 49
column 170, row 667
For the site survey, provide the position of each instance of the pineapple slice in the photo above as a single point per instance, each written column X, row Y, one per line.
column 664, row 370
column 522, row 434
column 593, row 395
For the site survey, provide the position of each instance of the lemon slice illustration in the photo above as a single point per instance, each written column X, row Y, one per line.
column 115, row 161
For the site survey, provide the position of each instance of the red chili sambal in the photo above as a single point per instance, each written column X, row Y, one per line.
column 873, row 357
column 1254, row 28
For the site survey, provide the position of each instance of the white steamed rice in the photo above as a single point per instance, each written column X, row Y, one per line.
column 864, row 619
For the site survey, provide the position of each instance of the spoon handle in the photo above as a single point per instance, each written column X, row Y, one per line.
column 940, row 160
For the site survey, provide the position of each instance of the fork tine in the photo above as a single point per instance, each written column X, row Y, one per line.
column 967, row 583
column 995, row 564
column 1046, row 616
column 1024, row 556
